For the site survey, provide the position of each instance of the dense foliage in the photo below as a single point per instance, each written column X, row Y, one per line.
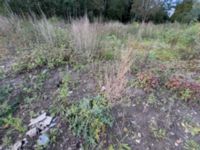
column 187, row 11
column 122, row 10
column 156, row 11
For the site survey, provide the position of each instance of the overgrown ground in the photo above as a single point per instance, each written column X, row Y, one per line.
column 110, row 86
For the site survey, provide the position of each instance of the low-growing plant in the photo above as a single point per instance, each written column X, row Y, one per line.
column 89, row 119
column 5, row 107
column 186, row 94
column 191, row 145
column 42, row 55
column 185, row 89
column 54, row 135
column 15, row 123
column 191, row 127
column 61, row 101
column 157, row 132
column 7, row 141
column 123, row 146
column 64, row 88
column 110, row 47
column 147, row 80
column 152, row 99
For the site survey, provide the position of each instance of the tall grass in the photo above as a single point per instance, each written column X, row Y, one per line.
column 85, row 38
column 4, row 25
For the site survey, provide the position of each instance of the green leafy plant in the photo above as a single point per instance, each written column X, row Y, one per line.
column 61, row 101
column 5, row 107
column 158, row 133
column 64, row 89
column 192, row 128
column 186, row 94
column 89, row 118
column 147, row 80
column 124, row 147
column 15, row 123
column 191, row 145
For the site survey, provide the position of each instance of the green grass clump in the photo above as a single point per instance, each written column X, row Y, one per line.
column 89, row 118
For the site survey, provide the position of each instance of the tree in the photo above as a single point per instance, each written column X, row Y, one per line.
column 187, row 11
column 195, row 12
column 118, row 10
column 142, row 10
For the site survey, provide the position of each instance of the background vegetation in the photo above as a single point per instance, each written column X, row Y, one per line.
column 156, row 11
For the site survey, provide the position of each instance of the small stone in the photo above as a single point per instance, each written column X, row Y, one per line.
column 125, row 130
column 139, row 135
column 178, row 142
column 103, row 88
column 138, row 141
column 32, row 132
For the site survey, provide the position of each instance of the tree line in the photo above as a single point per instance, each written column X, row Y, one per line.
column 156, row 11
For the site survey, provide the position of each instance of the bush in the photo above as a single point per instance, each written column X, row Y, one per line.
column 89, row 118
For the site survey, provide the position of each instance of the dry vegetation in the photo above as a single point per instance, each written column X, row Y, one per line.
column 109, row 85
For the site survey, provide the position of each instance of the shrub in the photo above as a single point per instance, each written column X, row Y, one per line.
column 89, row 118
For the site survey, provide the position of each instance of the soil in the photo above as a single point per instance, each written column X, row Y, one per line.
column 133, row 118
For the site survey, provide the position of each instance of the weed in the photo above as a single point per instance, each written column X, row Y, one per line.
column 64, row 89
column 111, row 46
column 6, row 107
column 152, row 99
column 163, row 55
column 191, row 145
column 34, row 88
column 186, row 94
column 53, row 135
column 42, row 55
column 157, row 132
column 61, row 102
column 147, row 80
column 89, row 118
column 115, row 79
column 7, row 141
column 15, row 123
column 186, row 90
column 192, row 128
